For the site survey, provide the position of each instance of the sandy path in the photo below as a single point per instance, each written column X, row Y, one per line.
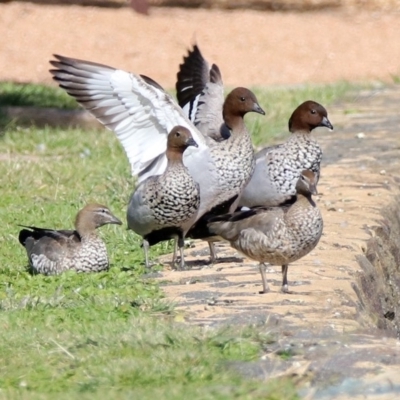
column 352, row 190
column 318, row 323
column 250, row 47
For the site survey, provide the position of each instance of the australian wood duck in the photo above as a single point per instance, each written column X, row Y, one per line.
column 277, row 167
column 235, row 165
column 276, row 235
column 141, row 114
column 52, row 252
column 165, row 206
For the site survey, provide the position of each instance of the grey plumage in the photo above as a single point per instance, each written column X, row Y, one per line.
column 276, row 235
column 278, row 167
column 165, row 206
column 233, row 157
column 141, row 114
column 52, row 251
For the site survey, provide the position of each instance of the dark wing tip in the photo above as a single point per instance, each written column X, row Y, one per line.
column 192, row 77
column 24, row 234
column 152, row 82
column 215, row 74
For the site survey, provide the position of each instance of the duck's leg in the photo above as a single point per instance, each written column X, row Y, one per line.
column 146, row 247
column 285, row 287
column 175, row 251
column 181, row 245
column 213, row 254
column 262, row 268
column 181, row 250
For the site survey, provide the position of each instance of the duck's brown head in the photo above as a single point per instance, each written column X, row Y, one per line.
column 307, row 183
column 239, row 102
column 308, row 116
column 179, row 139
column 93, row 216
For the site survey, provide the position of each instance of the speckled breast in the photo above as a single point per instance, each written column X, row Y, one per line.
column 300, row 152
column 235, row 162
column 178, row 201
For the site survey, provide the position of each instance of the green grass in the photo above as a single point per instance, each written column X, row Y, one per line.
column 108, row 335
column 82, row 352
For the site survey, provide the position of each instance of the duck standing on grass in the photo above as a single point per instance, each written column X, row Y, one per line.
column 165, row 206
column 52, row 252
column 276, row 235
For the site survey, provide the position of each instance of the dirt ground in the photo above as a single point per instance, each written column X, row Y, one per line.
column 319, row 321
column 250, row 47
column 318, row 325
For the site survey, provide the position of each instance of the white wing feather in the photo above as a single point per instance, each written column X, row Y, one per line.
column 140, row 114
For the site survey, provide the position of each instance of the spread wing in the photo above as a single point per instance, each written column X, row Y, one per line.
column 135, row 108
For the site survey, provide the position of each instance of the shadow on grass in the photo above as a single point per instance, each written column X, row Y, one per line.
column 40, row 105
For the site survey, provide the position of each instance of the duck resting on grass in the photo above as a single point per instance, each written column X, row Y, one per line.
column 276, row 235
column 52, row 252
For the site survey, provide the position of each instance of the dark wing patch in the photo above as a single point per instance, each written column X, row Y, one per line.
column 192, row 77
column 32, row 232
column 163, row 234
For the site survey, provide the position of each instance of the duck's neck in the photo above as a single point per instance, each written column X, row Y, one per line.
column 235, row 123
column 305, row 200
column 174, row 157
column 85, row 228
column 301, row 132
column 89, row 237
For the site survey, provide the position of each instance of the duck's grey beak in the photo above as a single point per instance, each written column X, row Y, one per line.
column 114, row 220
column 258, row 109
column 191, row 142
column 325, row 122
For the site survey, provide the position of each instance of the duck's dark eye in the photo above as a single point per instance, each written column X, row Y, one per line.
column 313, row 112
column 177, row 134
column 242, row 99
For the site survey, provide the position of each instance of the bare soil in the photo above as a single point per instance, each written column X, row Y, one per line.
column 250, row 47
column 319, row 325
